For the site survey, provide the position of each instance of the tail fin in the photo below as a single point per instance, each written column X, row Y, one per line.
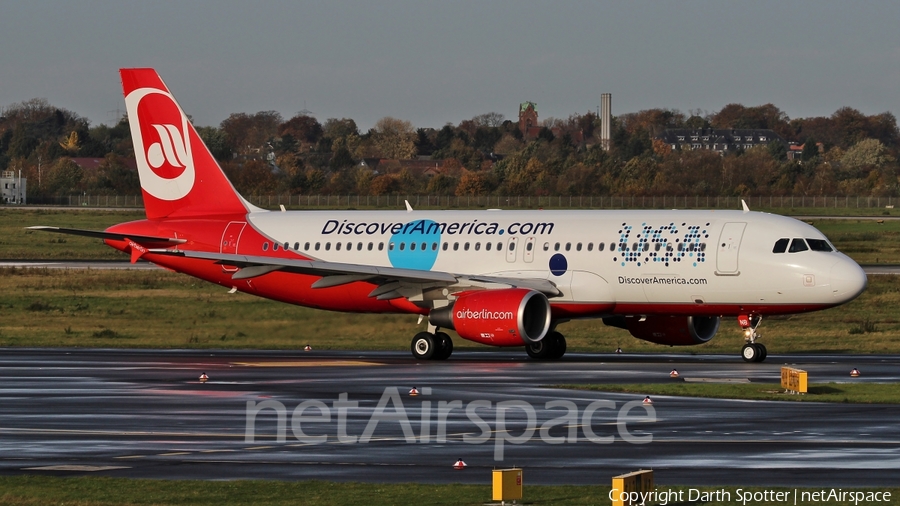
column 179, row 176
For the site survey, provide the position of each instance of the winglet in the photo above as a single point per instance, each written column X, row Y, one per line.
column 744, row 205
column 408, row 207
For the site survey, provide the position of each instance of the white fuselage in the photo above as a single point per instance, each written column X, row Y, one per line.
column 691, row 262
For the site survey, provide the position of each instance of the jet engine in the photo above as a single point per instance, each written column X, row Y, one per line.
column 669, row 330
column 507, row 317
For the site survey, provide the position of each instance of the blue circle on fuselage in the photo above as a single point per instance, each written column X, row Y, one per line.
column 558, row 264
column 418, row 233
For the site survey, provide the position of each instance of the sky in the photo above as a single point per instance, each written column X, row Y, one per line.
column 438, row 62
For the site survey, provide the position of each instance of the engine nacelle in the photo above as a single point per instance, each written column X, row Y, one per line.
column 673, row 330
column 508, row 317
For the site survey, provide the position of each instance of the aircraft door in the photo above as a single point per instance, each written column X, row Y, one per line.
column 230, row 239
column 511, row 249
column 528, row 255
column 728, row 248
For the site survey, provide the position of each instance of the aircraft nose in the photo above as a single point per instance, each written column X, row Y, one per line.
column 848, row 280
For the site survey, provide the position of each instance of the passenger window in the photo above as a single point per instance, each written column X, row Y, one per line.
column 546, row 246
column 287, row 246
column 477, row 246
column 556, row 247
column 702, row 246
column 658, row 245
column 781, row 245
column 381, row 246
column 327, row 246
column 578, row 247
column 466, row 247
column 512, row 246
column 370, row 246
column 601, row 246
column 590, row 246
column 798, row 245
column 391, row 247
column 499, row 246
column 445, row 246
column 349, row 246
column 402, row 246
column 424, row 246
column 456, row 246
column 412, row 246
column 434, row 246
column 306, row 247
column 317, row 246
column 487, row 246
column 529, row 246
column 337, row 246
column 265, row 246
column 275, row 246
column 634, row 247
column 646, row 246
column 568, row 246
column 819, row 245
column 296, row 246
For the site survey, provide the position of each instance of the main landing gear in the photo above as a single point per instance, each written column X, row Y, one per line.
column 752, row 351
column 551, row 347
column 431, row 346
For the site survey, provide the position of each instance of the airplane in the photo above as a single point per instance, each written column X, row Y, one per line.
column 496, row 277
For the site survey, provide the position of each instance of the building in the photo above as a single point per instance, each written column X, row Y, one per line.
column 528, row 120
column 12, row 187
column 720, row 140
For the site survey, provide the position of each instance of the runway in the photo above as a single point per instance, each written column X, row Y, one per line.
column 143, row 413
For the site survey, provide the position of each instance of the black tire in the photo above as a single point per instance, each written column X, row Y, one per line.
column 540, row 350
column 763, row 352
column 423, row 346
column 750, row 353
column 559, row 345
column 444, row 346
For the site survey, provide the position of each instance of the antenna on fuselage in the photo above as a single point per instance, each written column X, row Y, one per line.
column 744, row 205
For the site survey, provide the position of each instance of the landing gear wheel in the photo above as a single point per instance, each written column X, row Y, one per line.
column 750, row 353
column 762, row 352
column 559, row 345
column 540, row 350
column 423, row 346
column 444, row 346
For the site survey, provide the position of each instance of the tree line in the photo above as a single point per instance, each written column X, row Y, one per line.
column 847, row 153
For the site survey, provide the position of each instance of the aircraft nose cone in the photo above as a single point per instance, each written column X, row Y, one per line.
column 848, row 280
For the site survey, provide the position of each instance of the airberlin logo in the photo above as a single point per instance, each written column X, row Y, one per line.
column 171, row 148
column 483, row 314
column 160, row 128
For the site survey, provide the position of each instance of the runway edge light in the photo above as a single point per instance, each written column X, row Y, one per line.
column 647, row 400
column 507, row 484
column 854, row 373
column 459, row 465
column 625, row 484
column 674, row 373
column 204, row 378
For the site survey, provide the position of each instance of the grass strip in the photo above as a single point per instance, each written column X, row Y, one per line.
column 98, row 491
column 856, row 393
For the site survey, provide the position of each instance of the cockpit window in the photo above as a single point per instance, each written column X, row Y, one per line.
column 819, row 245
column 780, row 245
column 798, row 245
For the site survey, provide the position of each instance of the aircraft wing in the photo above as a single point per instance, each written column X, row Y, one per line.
column 391, row 280
column 140, row 239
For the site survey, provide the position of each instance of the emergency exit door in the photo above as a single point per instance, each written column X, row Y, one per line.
column 728, row 248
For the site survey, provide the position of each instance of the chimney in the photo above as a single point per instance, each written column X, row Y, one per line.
column 605, row 120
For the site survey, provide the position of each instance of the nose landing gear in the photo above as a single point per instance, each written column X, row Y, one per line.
column 752, row 351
